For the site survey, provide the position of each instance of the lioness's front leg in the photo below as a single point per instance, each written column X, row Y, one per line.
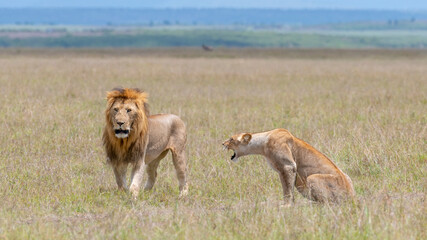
column 136, row 178
column 287, row 178
column 120, row 173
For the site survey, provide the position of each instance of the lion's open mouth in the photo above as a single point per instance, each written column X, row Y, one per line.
column 234, row 155
column 121, row 131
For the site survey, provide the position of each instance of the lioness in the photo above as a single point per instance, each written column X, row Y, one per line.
column 314, row 175
column 132, row 136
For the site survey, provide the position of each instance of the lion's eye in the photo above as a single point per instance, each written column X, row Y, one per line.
column 128, row 110
column 116, row 109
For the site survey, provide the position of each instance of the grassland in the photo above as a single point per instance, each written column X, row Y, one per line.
column 366, row 110
column 176, row 36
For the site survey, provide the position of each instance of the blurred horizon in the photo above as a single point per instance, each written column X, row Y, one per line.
column 265, row 18
column 409, row 5
column 292, row 24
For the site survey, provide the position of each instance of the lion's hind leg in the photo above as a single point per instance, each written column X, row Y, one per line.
column 180, row 163
column 152, row 171
column 324, row 187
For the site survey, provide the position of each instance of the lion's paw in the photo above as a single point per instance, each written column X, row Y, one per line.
column 134, row 191
column 183, row 192
column 285, row 205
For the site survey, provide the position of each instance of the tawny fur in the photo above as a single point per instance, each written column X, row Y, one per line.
column 299, row 164
column 143, row 137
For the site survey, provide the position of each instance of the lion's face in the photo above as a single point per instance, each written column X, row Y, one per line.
column 237, row 143
column 123, row 114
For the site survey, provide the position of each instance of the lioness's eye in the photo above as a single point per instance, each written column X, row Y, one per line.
column 128, row 110
column 116, row 109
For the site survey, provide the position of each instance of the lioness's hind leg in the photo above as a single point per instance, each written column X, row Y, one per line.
column 323, row 187
column 152, row 171
column 180, row 163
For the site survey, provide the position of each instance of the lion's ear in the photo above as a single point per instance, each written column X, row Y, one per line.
column 110, row 95
column 142, row 101
column 246, row 137
column 143, row 97
column 110, row 99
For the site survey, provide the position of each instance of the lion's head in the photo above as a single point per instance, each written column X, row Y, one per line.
column 126, row 120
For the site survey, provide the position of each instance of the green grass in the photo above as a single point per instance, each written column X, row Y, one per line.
column 182, row 37
column 365, row 110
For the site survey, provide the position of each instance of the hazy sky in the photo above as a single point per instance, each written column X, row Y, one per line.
column 335, row 4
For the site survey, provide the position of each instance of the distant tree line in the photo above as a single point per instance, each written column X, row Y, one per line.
column 215, row 38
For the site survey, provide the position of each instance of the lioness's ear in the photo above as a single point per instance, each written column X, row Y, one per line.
column 246, row 137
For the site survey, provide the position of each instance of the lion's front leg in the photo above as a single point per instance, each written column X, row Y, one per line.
column 120, row 173
column 136, row 178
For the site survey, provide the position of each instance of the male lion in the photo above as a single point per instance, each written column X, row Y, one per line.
column 132, row 136
column 314, row 175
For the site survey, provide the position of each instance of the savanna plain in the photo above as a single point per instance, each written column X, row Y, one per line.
column 364, row 109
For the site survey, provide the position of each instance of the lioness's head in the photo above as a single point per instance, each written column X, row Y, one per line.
column 238, row 144
column 126, row 111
